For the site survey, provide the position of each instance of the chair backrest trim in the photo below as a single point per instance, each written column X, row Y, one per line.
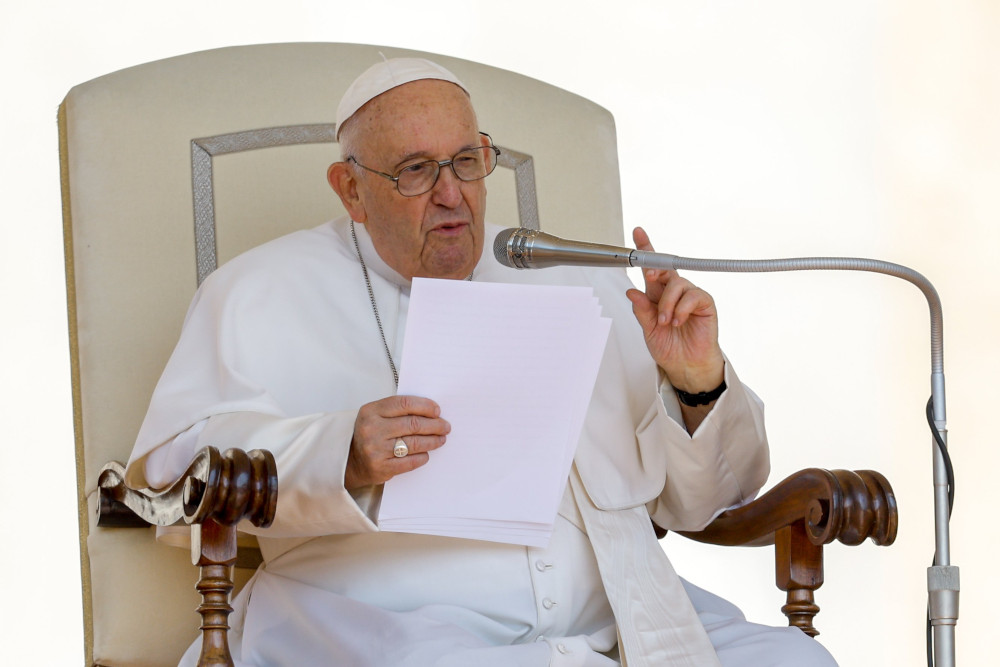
column 203, row 188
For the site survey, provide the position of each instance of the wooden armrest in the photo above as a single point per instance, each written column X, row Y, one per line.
column 850, row 506
column 799, row 515
column 226, row 488
column 215, row 493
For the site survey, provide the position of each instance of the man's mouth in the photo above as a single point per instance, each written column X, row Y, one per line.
column 450, row 228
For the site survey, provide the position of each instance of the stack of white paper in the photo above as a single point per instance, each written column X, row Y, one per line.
column 513, row 368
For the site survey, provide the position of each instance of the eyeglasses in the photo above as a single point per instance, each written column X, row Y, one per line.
column 472, row 164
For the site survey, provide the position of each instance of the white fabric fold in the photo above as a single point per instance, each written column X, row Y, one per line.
column 657, row 625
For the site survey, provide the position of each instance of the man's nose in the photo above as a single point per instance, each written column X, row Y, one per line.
column 448, row 189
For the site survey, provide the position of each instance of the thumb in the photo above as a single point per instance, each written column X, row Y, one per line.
column 644, row 310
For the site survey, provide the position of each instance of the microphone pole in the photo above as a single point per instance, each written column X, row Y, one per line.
column 522, row 248
column 942, row 577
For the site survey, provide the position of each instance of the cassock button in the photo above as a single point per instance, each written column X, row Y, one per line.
column 548, row 603
column 542, row 566
column 562, row 649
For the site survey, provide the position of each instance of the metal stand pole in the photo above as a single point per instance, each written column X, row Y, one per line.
column 942, row 577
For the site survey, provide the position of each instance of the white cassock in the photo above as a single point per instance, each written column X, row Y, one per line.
column 280, row 349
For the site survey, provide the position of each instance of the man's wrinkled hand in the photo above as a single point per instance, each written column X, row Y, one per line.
column 380, row 424
column 681, row 326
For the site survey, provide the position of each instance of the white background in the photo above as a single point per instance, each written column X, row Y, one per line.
column 746, row 129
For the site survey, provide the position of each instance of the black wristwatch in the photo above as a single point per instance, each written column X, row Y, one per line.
column 701, row 398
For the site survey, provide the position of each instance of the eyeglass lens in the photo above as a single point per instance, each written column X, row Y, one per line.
column 469, row 165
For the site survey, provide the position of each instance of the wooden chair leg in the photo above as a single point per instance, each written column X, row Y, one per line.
column 214, row 551
column 215, row 493
column 799, row 572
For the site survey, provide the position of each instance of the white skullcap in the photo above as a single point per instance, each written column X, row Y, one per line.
column 385, row 76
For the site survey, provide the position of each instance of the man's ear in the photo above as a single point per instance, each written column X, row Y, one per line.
column 343, row 180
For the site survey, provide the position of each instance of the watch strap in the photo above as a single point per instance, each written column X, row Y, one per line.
column 701, row 398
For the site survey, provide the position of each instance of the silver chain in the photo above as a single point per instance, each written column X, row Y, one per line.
column 371, row 297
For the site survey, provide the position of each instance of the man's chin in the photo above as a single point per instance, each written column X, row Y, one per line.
column 454, row 267
column 447, row 273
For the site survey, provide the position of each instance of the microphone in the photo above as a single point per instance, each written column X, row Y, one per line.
column 521, row 248
column 532, row 249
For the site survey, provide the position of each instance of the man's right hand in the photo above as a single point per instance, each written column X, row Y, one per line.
column 415, row 420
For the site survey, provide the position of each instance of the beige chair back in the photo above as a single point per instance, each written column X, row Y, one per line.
column 175, row 166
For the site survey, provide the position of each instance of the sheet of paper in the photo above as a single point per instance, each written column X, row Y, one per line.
column 513, row 368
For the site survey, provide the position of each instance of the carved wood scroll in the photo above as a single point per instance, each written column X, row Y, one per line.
column 799, row 515
column 215, row 493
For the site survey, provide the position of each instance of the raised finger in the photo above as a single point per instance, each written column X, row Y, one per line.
column 641, row 239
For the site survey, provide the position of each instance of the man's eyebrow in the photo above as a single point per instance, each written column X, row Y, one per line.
column 424, row 156
column 412, row 156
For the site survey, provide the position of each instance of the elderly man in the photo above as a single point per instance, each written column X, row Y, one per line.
column 294, row 346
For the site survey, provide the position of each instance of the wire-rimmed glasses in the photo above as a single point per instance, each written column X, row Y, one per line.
column 471, row 164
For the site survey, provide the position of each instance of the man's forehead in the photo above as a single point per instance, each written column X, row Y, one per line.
column 418, row 118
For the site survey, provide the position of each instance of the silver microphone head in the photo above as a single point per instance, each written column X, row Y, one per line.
column 502, row 247
column 521, row 248
column 509, row 247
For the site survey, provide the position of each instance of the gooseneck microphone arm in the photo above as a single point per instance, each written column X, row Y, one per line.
column 653, row 260
column 523, row 249
column 532, row 249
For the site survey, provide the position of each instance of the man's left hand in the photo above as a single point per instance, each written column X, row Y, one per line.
column 681, row 326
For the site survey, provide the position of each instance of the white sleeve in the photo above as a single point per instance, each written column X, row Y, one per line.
column 167, row 462
column 311, row 456
column 722, row 464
